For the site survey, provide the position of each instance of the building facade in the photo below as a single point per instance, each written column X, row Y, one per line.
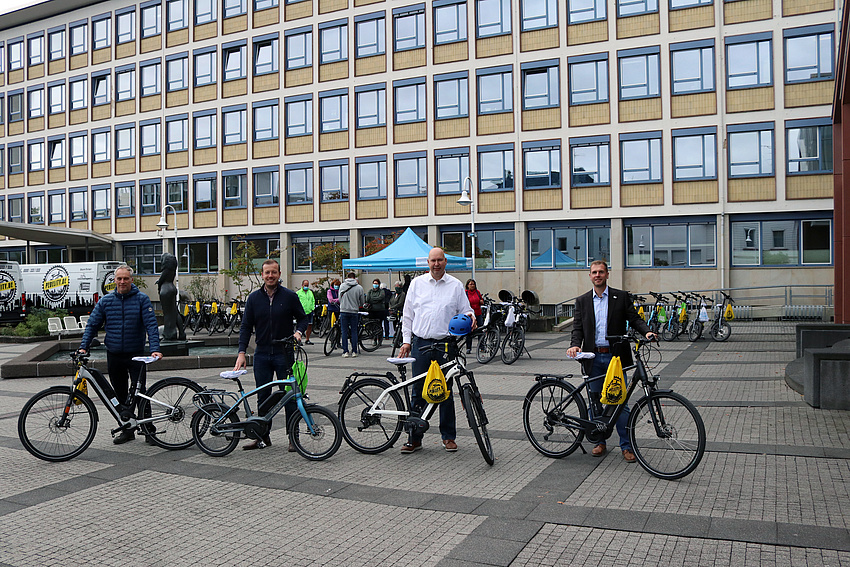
column 696, row 134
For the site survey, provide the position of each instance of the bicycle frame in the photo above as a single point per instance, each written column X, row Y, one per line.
column 453, row 367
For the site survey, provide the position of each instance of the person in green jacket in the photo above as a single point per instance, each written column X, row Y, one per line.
column 308, row 302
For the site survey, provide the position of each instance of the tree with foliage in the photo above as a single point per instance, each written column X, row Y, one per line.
column 328, row 257
column 377, row 244
column 245, row 270
column 203, row 288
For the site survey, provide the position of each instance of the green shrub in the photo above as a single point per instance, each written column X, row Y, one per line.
column 35, row 325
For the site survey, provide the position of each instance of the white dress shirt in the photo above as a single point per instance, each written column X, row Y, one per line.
column 600, row 312
column 430, row 305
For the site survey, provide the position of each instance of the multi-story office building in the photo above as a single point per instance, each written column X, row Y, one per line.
column 695, row 134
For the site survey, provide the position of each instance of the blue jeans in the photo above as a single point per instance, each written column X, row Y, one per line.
column 448, row 420
column 267, row 363
column 349, row 324
column 600, row 366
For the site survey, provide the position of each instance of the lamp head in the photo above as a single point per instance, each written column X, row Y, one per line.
column 464, row 198
column 162, row 224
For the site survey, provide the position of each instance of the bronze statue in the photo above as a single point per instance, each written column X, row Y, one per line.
column 172, row 329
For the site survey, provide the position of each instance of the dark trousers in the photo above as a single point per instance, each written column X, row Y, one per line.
column 121, row 367
column 600, row 366
column 349, row 324
column 448, row 420
column 479, row 320
column 267, row 363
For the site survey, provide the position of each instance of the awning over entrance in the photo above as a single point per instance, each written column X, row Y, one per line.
column 72, row 237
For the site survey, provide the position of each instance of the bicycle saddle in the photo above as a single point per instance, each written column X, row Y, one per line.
column 232, row 374
column 401, row 361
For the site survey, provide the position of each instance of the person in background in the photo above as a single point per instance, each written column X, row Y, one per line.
column 475, row 298
column 333, row 298
column 387, row 296
column 377, row 301
column 351, row 297
column 308, row 302
column 396, row 304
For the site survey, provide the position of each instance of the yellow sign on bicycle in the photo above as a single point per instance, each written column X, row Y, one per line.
column 729, row 314
column 233, row 308
column 214, row 308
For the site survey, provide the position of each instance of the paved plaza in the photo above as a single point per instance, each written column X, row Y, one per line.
column 772, row 489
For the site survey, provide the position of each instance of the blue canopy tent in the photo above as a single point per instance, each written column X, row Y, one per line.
column 407, row 253
column 545, row 260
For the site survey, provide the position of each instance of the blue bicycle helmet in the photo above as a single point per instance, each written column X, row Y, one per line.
column 460, row 325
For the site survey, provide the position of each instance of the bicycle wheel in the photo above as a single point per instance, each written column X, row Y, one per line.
column 301, row 355
column 172, row 428
column 397, row 342
column 720, row 332
column 371, row 336
column 39, row 424
column 319, row 441
column 477, row 419
column 235, row 324
column 514, row 344
column 667, row 435
column 544, row 411
column 488, row 345
column 209, row 440
column 200, row 323
column 366, row 433
column 695, row 331
column 670, row 331
column 219, row 324
column 332, row 340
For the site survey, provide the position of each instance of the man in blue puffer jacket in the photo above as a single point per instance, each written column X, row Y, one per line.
column 127, row 315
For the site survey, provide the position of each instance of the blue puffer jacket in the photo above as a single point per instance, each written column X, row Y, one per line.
column 127, row 318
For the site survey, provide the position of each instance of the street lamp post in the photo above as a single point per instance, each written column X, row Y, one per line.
column 162, row 226
column 468, row 198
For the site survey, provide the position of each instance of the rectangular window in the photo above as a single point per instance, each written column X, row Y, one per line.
column 100, row 34
column 56, row 44
column 409, row 29
column 56, row 204
column 370, row 37
column 178, row 14
column 581, row 11
column 124, row 201
column 151, row 16
column 125, row 84
column 143, row 258
column 542, row 167
column 372, row 180
column 693, row 69
column 205, row 131
column 371, row 108
column 234, row 8
column 266, row 122
column 177, row 74
column 265, row 56
column 150, row 79
column 177, row 132
column 591, row 163
column 100, row 203
column 640, row 158
column 177, row 194
column 452, row 170
column 126, row 27
column 299, row 185
column 540, row 87
column 124, row 143
column 809, row 147
column 671, row 245
column 78, row 150
column 495, row 92
column 676, row 4
column 494, row 17
column 16, row 209
column 100, row 90
column 694, row 155
column 299, row 118
column 495, row 249
column 36, row 209
column 566, row 248
column 449, row 22
column 749, row 64
column 265, row 4
column 334, row 112
column 410, row 103
column 627, row 8
column 299, row 50
column 750, row 150
column 78, row 94
column 202, row 257
column 235, row 190
column 36, row 156
column 151, row 197
column 496, row 170
column 589, row 82
column 78, row 39
column 56, row 153
column 100, row 146
column 16, row 55
column 809, row 57
column 235, row 124
column 205, row 11
column 411, row 177
column 16, row 159
column 35, row 48
column 266, row 188
column 204, row 68
column 16, row 107
column 234, row 59
column 205, row 193
column 150, row 139
column 539, row 14
column 36, row 103
column 304, row 248
column 334, row 182
column 452, row 97
column 78, row 206
column 639, row 76
column 333, row 44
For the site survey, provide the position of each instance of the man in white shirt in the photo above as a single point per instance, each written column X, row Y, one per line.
column 431, row 302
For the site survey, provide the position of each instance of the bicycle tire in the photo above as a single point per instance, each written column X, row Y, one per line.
column 37, row 424
column 695, row 331
column 513, row 345
column 720, row 332
column 220, row 323
column 488, row 345
column 397, row 342
column 323, row 440
column 477, row 419
column 213, row 444
column 679, row 448
column 200, row 323
column 370, row 434
column 213, row 324
column 332, row 341
column 173, row 431
column 670, row 331
column 371, row 336
column 235, row 323
column 301, row 355
column 546, row 405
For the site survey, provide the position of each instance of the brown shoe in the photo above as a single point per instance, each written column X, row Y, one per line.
column 599, row 450
column 409, row 448
column 257, row 444
column 450, row 445
column 291, row 448
column 629, row 456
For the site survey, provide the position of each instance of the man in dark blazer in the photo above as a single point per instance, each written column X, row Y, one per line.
column 601, row 312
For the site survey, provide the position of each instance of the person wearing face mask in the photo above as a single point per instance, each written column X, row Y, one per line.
column 377, row 300
column 308, row 302
column 333, row 298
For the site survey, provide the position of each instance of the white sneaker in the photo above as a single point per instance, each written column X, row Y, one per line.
column 345, row 355
column 353, row 355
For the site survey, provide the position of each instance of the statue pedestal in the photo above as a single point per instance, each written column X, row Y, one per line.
column 177, row 348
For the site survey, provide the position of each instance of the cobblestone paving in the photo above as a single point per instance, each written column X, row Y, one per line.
column 754, row 370
column 739, row 357
column 791, row 426
column 730, row 391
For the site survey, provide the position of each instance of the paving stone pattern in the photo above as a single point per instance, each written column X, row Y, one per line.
column 772, row 490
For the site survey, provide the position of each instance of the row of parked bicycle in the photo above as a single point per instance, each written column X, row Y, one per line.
column 212, row 316
column 687, row 314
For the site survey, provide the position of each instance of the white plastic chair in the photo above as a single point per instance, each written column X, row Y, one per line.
column 84, row 320
column 54, row 325
column 72, row 327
